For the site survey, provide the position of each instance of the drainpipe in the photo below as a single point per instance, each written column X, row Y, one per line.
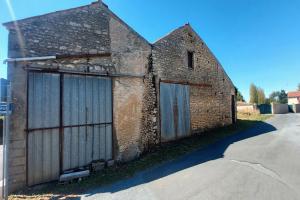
column 28, row 59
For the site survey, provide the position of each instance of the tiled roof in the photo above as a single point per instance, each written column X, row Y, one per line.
column 294, row 94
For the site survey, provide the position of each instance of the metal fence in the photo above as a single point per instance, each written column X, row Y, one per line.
column 265, row 108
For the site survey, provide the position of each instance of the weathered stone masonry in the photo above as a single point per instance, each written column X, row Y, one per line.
column 210, row 87
column 91, row 39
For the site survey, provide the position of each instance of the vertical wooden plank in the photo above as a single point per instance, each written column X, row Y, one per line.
column 39, row 83
column 54, row 112
column 43, row 112
column 90, row 103
column 108, row 100
column 102, row 142
column 46, row 135
column 66, row 149
column 31, row 141
column 175, row 111
column 187, row 110
column 31, row 100
column 74, row 121
column 55, row 154
column 31, row 166
column 35, row 121
column 38, row 153
column 89, row 114
column 167, row 93
column 46, row 154
column 66, row 121
column 96, row 118
column 108, row 142
column 102, row 119
column 82, row 120
column 181, row 132
column 102, row 100
column 55, row 100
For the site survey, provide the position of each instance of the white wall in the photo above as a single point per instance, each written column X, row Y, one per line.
column 293, row 100
column 280, row 108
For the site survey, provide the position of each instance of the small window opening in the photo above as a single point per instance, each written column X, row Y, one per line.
column 191, row 60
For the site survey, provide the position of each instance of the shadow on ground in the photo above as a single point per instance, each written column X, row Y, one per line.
column 211, row 152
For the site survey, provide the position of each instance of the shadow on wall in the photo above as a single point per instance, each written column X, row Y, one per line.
column 212, row 152
column 294, row 108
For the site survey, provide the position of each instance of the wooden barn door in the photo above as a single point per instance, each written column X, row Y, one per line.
column 69, row 123
column 174, row 111
column 43, row 127
column 87, row 120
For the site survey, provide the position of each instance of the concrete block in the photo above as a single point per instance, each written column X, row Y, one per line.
column 17, row 161
column 98, row 166
column 74, row 175
column 16, row 170
column 110, row 163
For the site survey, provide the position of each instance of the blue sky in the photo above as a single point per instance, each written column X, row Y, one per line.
column 255, row 40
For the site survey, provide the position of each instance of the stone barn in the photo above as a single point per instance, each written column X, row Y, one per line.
column 86, row 88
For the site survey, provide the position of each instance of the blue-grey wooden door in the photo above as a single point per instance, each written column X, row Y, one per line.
column 87, row 120
column 43, row 127
column 174, row 111
column 69, row 123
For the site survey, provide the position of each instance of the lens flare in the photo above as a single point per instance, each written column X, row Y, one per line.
column 17, row 28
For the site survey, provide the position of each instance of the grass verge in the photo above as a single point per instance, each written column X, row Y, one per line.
column 167, row 152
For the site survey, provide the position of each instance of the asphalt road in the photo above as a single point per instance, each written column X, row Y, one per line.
column 260, row 163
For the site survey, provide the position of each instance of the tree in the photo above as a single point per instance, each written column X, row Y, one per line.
column 278, row 97
column 299, row 87
column 261, row 97
column 274, row 97
column 268, row 101
column 253, row 94
column 239, row 95
column 283, row 97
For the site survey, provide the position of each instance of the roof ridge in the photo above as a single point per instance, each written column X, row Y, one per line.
column 169, row 33
column 293, row 94
column 188, row 25
column 9, row 23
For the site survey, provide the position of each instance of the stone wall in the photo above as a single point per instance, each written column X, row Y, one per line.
column 127, row 112
column 130, row 53
column 91, row 39
column 17, row 75
column 204, row 109
column 79, row 37
column 17, row 145
column 129, row 50
column 81, row 30
column 247, row 109
column 211, row 89
column 149, row 133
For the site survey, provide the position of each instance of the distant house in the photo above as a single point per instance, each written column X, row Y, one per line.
column 294, row 97
column 3, row 89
